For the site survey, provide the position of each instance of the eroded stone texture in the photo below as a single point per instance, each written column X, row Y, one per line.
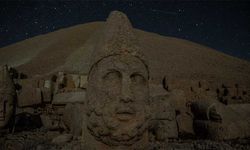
column 214, row 120
column 7, row 93
column 118, row 91
column 72, row 118
column 163, row 121
column 119, row 95
column 30, row 93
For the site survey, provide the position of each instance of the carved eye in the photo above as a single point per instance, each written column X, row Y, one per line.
column 137, row 78
column 112, row 75
column 112, row 81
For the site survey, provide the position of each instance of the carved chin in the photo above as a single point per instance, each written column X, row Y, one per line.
column 122, row 129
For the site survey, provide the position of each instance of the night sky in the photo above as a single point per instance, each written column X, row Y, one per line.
column 224, row 26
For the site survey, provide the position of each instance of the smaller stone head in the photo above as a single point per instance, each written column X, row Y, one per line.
column 6, row 97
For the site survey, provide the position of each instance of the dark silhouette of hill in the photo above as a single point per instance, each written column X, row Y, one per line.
column 69, row 50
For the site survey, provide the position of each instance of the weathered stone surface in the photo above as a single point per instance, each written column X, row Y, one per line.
column 233, row 93
column 76, row 79
column 70, row 97
column 118, row 90
column 47, row 84
column 184, row 117
column 185, row 125
column 52, row 122
column 62, row 139
column 29, row 94
column 83, row 81
column 72, row 119
column 60, row 82
column 7, row 93
column 46, row 94
column 216, row 121
column 163, row 118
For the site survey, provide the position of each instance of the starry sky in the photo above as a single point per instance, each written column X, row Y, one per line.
column 222, row 25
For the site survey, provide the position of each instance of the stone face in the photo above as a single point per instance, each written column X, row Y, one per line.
column 214, row 120
column 119, row 98
column 118, row 89
column 7, row 93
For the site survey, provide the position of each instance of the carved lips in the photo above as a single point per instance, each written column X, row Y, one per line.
column 125, row 113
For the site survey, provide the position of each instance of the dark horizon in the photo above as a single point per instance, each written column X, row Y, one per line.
column 223, row 26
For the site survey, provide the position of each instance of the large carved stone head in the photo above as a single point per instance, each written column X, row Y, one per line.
column 118, row 91
column 6, row 97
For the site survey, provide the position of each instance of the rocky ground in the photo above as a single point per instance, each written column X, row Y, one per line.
column 53, row 140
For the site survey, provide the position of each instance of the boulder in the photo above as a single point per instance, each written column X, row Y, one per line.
column 30, row 94
column 72, row 119
column 163, row 118
column 217, row 121
column 69, row 97
column 83, row 81
column 62, row 139
column 185, row 125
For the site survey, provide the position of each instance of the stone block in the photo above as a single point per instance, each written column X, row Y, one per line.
column 29, row 94
column 70, row 97
column 76, row 80
column 72, row 119
column 185, row 125
column 83, row 81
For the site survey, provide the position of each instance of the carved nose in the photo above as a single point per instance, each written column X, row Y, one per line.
column 126, row 95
